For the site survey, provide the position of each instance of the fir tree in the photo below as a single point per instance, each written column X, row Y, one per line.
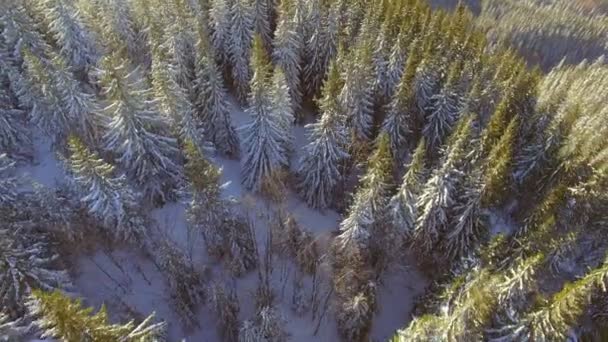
column 403, row 205
column 11, row 331
column 179, row 41
column 439, row 193
column 9, row 185
column 320, row 168
column 499, row 165
column 26, row 263
column 15, row 138
column 261, row 21
column 264, row 138
column 61, row 317
column 212, row 103
column 239, row 46
column 287, row 53
column 357, row 94
column 220, row 21
column 137, row 134
column 282, row 106
column 76, row 43
column 107, row 196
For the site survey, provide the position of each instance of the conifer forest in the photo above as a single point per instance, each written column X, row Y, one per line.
column 303, row 170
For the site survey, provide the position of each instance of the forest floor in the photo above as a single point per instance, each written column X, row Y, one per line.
column 130, row 285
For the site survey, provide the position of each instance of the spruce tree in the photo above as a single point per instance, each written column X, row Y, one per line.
column 137, row 134
column 15, row 138
column 403, row 207
column 498, row 169
column 67, row 28
column 261, row 21
column 58, row 316
column 264, row 138
column 239, row 46
column 319, row 170
column 212, row 104
column 282, row 106
column 26, row 263
column 179, row 41
column 219, row 23
column 288, row 50
column 11, row 331
column 107, row 196
column 9, row 185
column 439, row 193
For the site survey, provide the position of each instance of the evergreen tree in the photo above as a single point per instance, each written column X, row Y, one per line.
column 320, row 168
column 264, row 138
column 499, row 166
column 11, row 331
column 15, row 138
column 288, row 50
column 76, row 43
column 137, row 134
column 400, row 120
column 212, row 103
column 282, row 106
column 179, row 41
column 26, row 263
column 20, row 31
column 239, row 46
column 220, row 21
column 61, row 317
column 445, row 108
column 357, row 94
column 9, row 185
column 439, row 193
column 117, row 28
column 403, row 205
column 261, row 21
column 107, row 196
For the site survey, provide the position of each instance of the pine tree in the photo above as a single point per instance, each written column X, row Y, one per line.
column 288, row 50
column 206, row 210
column 212, row 103
column 282, row 106
column 499, row 166
column 357, row 94
column 179, row 41
column 498, row 123
column 264, row 138
column 239, row 46
column 137, row 134
column 106, row 195
column 9, row 185
column 445, row 108
column 403, row 205
column 261, row 22
column 319, row 170
column 220, row 21
column 20, row 31
column 61, row 317
column 11, row 331
column 400, row 120
column 439, row 193
column 225, row 304
column 41, row 93
column 26, row 263
column 76, row 43
column 15, row 138
column 117, row 28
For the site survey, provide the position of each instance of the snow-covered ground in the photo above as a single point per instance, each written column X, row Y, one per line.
column 129, row 283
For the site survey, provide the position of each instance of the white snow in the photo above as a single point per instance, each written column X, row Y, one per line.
column 129, row 283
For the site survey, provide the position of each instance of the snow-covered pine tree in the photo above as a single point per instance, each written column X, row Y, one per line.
column 59, row 316
column 427, row 75
column 9, row 183
column 26, row 263
column 206, row 210
column 137, row 133
column 180, row 41
column 172, row 99
column 357, row 94
column 20, row 31
column 185, row 283
column 400, row 120
column 403, row 209
column 225, row 304
column 15, row 138
column 12, row 331
column 288, row 49
column 381, row 53
column 107, row 196
column 42, row 94
column 219, row 22
column 439, row 193
column 264, row 138
column 282, row 106
column 261, row 22
column 319, row 169
column 80, row 106
column 498, row 169
column 117, row 28
column 239, row 46
column 77, row 45
column 397, row 59
column 271, row 325
column 212, row 101
column 445, row 109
